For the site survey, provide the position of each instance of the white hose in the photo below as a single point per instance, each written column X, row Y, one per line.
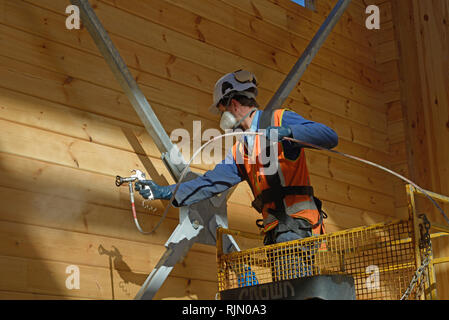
column 295, row 141
column 183, row 173
column 379, row 167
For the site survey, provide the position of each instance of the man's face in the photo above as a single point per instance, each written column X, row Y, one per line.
column 234, row 108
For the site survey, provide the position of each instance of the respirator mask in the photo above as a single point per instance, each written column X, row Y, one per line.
column 229, row 122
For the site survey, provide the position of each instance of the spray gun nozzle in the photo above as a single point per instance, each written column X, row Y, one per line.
column 120, row 180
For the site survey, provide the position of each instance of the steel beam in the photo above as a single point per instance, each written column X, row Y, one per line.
column 306, row 58
column 130, row 87
column 198, row 222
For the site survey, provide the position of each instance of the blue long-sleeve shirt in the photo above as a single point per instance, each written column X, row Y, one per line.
column 226, row 174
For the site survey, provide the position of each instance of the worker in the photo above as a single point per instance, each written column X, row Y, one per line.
column 284, row 198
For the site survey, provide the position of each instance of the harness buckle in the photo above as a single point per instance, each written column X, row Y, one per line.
column 258, row 204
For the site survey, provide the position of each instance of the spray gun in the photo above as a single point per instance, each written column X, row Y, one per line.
column 137, row 176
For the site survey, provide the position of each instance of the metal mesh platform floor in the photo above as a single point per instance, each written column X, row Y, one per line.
column 380, row 258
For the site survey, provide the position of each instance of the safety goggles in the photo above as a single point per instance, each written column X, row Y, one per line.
column 244, row 76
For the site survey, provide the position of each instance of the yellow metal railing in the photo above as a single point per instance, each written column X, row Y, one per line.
column 381, row 258
column 430, row 283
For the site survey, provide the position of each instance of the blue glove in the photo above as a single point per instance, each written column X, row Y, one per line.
column 159, row 192
column 282, row 132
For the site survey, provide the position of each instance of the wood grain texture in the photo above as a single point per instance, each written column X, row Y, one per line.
column 422, row 38
column 67, row 129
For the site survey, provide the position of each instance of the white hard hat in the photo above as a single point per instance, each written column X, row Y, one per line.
column 235, row 83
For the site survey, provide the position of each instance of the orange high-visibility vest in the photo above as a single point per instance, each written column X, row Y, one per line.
column 292, row 173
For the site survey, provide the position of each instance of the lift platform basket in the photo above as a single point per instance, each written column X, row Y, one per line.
column 380, row 259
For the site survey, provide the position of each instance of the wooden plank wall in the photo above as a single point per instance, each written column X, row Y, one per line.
column 421, row 36
column 387, row 60
column 67, row 130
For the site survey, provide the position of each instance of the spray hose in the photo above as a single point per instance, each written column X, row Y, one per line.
column 287, row 139
column 183, row 173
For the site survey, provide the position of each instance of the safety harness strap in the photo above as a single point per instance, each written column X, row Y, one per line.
column 276, row 193
column 267, row 196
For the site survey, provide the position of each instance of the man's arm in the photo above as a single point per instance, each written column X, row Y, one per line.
column 222, row 177
column 310, row 131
